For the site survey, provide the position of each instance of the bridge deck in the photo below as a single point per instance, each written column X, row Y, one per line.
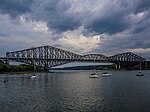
column 48, row 56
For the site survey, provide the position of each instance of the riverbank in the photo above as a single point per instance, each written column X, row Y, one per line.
column 6, row 68
column 19, row 69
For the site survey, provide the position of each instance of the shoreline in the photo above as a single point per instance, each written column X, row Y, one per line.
column 24, row 72
column 55, row 71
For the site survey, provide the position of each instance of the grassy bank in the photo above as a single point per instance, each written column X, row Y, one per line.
column 5, row 68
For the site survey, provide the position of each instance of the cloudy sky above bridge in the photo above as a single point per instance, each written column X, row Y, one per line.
column 81, row 26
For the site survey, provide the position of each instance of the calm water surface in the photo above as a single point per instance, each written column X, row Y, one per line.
column 74, row 91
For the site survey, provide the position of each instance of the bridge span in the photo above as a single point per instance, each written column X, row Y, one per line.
column 48, row 56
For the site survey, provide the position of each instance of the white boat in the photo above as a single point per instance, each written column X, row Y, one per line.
column 140, row 73
column 105, row 74
column 33, row 76
column 93, row 75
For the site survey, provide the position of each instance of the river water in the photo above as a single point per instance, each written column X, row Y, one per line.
column 74, row 91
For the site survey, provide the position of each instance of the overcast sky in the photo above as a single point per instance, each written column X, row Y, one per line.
column 81, row 26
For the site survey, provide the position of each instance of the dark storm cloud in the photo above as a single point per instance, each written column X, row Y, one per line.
column 15, row 7
column 141, row 5
column 54, row 13
column 116, row 22
column 140, row 29
column 125, row 19
column 63, row 25
column 143, row 25
column 141, row 44
column 109, row 25
column 56, row 17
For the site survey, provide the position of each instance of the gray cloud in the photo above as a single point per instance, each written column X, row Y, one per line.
column 126, row 22
column 63, row 25
column 109, row 25
column 141, row 5
column 15, row 7
column 104, row 17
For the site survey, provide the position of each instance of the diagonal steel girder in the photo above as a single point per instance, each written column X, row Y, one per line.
column 48, row 56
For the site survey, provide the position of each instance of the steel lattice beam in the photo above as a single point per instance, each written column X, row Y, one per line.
column 48, row 56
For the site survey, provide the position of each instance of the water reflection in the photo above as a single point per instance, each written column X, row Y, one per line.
column 75, row 91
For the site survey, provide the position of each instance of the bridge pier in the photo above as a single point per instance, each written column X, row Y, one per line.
column 145, row 65
column 126, row 65
column 118, row 66
column 7, row 59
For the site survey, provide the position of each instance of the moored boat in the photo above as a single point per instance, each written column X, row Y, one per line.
column 140, row 74
column 105, row 74
column 33, row 76
column 93, row 75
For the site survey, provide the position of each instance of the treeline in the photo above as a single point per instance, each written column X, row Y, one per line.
column 16, row 68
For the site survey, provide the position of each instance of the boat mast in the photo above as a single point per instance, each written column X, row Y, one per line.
column 33, row 59
column 140, row 62
column 94, row 65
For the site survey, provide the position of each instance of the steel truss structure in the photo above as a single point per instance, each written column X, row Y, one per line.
column 48, row 56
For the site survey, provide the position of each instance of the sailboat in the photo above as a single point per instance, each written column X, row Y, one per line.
column 106, row 74
column 140, row 73
column 33, row 75
column 93, row 75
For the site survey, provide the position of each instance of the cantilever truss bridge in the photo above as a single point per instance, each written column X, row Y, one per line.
column 48, row 56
